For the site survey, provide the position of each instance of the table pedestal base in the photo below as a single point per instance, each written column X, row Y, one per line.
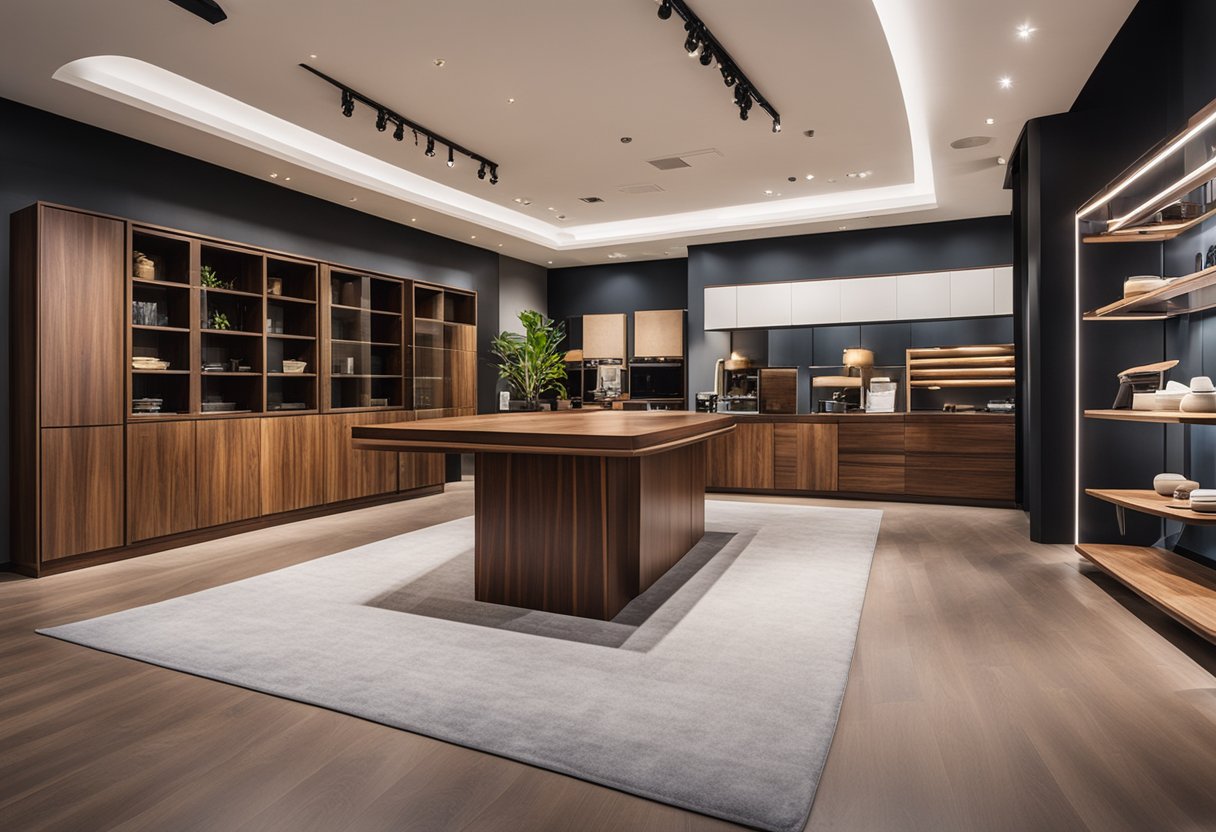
column 584, row 535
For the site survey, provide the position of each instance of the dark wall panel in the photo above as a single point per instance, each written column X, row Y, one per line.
column 49, row 158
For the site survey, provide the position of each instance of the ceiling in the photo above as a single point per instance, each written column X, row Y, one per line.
column 886, row 86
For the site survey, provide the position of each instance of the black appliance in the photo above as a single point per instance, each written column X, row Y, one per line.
column 707, row 402
column 656, row 380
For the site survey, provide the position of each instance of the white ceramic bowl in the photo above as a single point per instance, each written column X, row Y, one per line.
column 1202, row 384
column 1141, row 283
column 1204, row 500
column 1167, row 400
column 1198, row 403
column 1166, row 484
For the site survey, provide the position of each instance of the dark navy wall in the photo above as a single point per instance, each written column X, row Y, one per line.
column 45, row 157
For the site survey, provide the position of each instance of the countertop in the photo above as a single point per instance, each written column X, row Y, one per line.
column 935, row 416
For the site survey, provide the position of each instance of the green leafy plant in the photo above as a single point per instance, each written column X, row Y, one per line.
column 532, row 363
column 210, row 279
column 219, row 320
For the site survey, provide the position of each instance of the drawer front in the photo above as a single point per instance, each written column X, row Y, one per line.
column 981, row 440
column 884, row 438
column 871, row 479
column 969, row 483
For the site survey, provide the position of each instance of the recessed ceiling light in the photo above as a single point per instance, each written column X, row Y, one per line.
column 860, row 174
column 439, row 62
column 1005, row 82
column 1001, row 160
column 844, row 228
column 1025, row 31
column 413, row 219
column 274, row 176
column 768, row 193
column 286, row 178
column 510, row 100
column 970, row 141
column 500, row 245
column 810, row 134
column 809, row 177
column 550, row 262
column 523, row 200
column 617, row 255
column 313, row 57
column 472, row 236
column 550, row 208
column 989, row 121
column 354, row 199
column 626, row 139
column 791, row 179
column 561, row 216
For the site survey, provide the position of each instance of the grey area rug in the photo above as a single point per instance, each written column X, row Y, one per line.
column 717, row 690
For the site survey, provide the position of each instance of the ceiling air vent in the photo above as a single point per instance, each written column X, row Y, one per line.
column 590, row 199
column 642, row 188
column 670, row 163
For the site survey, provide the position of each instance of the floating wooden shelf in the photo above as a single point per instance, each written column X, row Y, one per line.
column 160, row 372
column 364, row 343
column 294, row 375
column 160, row 328
column 1150, row 502
column 161, row 284
column 337, row 376
column 290, row 299
column 1163, row 417
column 342, row 308
column 975, row 367
column 228, row 374
column 1158, row 233
column 287, row 336
column 983, row 351
column 1179, row 587
column 235, row 292
column 209, row 331
column 965, row 382
column 1179, row 297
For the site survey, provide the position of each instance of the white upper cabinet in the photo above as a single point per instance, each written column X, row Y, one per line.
column 720, row 302
column 764, row 304
column 924, row 296
column 1002, row 290
column 815, row 302
column 971, row 293
column 869, row 299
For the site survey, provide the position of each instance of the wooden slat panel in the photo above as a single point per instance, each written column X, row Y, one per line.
column 229, row 455
column 742, row 458
column 779, row 390
column 80, row 318
column 351, row 473
column 292, row 463
column 82, row 490
column 162, row 486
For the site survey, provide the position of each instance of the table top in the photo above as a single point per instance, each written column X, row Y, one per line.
column 582, row 432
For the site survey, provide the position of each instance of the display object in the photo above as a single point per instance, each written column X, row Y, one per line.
column 1184, row 489
column 1167, row 484
column 1202, row 398
column 1145, row 379
column 1170, row 398
column 1142, row 284
column 1203, row 500
column 881, row 398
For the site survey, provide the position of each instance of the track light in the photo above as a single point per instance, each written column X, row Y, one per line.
column 700, row 43
column 386, row 116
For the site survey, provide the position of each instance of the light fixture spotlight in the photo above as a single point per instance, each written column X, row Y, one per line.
column 809, row 177
column 274, row 176
column 386, row 115
column 1005, row 82
column 510, row 100
column 701, row 43
column 1025, row 31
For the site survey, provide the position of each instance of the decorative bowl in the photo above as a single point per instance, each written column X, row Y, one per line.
column 1166, row 484
column 1198, row 403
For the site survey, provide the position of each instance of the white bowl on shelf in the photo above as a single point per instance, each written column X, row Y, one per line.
column 1204, row 500
column 1167, row 484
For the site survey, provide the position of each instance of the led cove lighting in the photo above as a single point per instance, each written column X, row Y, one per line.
column 160, row 92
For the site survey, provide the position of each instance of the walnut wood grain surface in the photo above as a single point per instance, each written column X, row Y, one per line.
column 82, row 490
column 805, row 457
column 742, row 458
column 292, row 463
column 351, row 473
column 162, row 483
column 229, row 470
column 598, row 432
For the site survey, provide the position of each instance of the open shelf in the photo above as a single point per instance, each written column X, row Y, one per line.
column 239, row 272
column 1179, row 587
column 344, row 308
column 169, row 256
column 1162, row 417
column 972, row 368
column 1150, row 502
column 1183, row 296
column 291, row 280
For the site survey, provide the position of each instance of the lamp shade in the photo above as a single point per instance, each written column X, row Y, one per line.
column 858, row 357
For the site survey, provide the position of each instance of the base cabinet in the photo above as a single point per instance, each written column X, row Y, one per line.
column 292, row 467
column 349, row 473
column 804, row 457
column 81, row 490
column 229, row 454
column 742, row 458
column 162, row 485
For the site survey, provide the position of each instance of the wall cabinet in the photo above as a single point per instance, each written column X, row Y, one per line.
column 81, row 491
column 229, row 469
column 162, row 484
column 604, row 336
column 965, row 293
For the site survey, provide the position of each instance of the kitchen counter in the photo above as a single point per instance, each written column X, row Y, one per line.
column 964, row 458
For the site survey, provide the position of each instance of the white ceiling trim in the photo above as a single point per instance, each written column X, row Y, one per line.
column 156, row 90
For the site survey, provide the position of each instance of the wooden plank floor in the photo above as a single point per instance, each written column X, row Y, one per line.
column 997, row 685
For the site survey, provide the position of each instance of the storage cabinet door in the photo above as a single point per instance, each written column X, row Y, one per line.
column 721, row 307
column 229, row 470
column 972, row 293
column 815, row 302
column 742, row 458
column 422, row 470
column 82, row 491
column 80, row 319
column 604, row 336
column 923, row 296
column 292, row 462
column 349, row 473
column 764, row 304
column 462, row 365
column 161, row 483
column 804, row 457
column 869, row 299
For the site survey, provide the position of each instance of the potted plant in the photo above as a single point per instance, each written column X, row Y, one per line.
column 532, row 363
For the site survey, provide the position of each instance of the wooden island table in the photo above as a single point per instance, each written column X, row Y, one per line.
column 577, row 512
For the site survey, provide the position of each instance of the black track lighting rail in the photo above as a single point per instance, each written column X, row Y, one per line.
column 701, row 43
column 386, row 116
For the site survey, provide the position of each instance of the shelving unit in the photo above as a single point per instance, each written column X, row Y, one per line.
column 367, row 342
column 1138, row 207
column 444, row 349
column 978, row 366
